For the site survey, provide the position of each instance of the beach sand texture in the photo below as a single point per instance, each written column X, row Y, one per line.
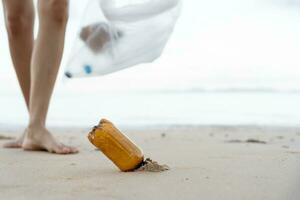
column 209, row 163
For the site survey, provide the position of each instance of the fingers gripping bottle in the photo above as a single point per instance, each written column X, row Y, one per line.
column 116, row 146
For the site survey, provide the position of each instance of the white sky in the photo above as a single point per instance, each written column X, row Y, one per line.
column 234, row 43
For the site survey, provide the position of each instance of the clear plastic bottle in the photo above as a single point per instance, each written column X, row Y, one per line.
column 116, row 146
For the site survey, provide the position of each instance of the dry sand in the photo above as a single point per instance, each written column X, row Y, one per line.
column 210, row 163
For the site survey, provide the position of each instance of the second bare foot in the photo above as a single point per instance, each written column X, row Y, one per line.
column 17, row 143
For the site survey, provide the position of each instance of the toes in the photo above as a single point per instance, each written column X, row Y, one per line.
column 74, row 150
column 71, row 150
column 58, row 150
column 65, row 150
column 62, row 149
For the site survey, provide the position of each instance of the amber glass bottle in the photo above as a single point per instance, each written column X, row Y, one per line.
column 116, row 146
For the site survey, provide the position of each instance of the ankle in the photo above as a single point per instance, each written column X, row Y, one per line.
column 34, row 130
column 36, row 125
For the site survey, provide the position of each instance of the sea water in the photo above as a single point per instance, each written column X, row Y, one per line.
column 163, row 108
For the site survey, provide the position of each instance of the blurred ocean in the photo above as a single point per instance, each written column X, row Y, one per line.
column 228, row 62
column 163, row 108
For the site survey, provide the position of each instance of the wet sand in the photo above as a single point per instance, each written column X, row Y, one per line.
column 210, row 163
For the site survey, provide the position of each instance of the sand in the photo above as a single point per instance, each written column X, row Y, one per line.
column 205, row 163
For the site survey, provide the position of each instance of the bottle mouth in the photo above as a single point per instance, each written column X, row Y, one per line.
column 91, row 136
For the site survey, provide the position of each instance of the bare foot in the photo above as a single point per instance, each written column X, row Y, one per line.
column 40, row 139
column 17, row 143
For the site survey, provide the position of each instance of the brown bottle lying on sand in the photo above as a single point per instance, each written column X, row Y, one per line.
column 116, row 146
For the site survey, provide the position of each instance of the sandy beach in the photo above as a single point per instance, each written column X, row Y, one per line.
column 211, row 90
column 207, row 162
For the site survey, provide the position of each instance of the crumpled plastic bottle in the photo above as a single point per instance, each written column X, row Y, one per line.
column 117, row 34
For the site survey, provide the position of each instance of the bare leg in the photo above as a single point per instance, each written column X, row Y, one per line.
column 19, row 19
column 45, row 63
